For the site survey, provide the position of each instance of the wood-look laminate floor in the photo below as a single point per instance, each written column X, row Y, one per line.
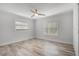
column 37, row 47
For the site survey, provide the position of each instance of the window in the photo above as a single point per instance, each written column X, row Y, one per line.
column 52, row 28
column 21, row 25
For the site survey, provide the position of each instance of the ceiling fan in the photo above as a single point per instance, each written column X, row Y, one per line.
column 35, row 12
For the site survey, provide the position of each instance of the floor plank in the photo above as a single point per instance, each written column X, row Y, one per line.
column 37, row 47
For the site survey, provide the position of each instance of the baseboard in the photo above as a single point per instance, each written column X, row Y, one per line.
column 56, row 41
column 32, row 38
column 14, row 42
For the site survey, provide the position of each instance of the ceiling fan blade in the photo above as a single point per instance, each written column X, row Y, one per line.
column 34, row 10
column 33, row 15
column 42, row 14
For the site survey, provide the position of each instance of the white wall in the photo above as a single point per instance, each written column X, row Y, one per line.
column 8, row 33
column 65, row 21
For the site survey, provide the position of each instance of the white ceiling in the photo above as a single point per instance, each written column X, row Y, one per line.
column 24, row 9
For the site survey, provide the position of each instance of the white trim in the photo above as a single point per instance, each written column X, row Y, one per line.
column 54, row 40
column 75, row 28
column 14, row 42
